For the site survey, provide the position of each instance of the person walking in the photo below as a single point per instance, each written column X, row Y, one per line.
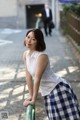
column 60, row 100
column 47, row 18
column 38, row 21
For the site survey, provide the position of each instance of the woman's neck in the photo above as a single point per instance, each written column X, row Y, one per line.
column 31, row 52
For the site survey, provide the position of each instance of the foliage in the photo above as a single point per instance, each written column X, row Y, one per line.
column 66, row 8
column 73, row 8
column 77, row 11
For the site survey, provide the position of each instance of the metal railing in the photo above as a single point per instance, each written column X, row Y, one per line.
column 30, row 112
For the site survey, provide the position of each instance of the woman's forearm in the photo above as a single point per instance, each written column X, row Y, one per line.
column 35, row 89
column 30, row 86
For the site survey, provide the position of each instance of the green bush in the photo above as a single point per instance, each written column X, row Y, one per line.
column 73, row 8
column 77, row 11
column 66, row 8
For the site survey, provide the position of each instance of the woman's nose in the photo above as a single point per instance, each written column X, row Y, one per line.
column 29, row 40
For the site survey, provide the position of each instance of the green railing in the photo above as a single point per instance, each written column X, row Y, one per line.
column 30, row 112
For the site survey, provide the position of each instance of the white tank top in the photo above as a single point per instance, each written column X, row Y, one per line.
column 49, row 79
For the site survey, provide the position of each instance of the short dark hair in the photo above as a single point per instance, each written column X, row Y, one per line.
column 41, row 46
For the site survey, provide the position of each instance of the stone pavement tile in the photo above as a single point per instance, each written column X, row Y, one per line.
column 76, row 88
column 11, row 98
column 40, row 109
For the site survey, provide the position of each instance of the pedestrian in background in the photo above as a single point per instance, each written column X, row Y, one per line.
column 38, row 21
column 47, row 18
column 60, row 100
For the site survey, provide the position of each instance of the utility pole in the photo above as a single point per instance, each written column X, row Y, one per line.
column 57, row 14
column 55, row 11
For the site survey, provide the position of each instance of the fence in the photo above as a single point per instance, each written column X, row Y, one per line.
column 71, row 24
column 74, row 27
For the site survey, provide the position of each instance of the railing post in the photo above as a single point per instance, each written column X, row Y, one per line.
column 30, row 112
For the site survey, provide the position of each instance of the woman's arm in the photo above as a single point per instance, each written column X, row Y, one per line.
column 41, row 66
column 29, row 83
column 28, row 78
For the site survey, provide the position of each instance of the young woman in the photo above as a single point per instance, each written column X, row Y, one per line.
column 60, row 101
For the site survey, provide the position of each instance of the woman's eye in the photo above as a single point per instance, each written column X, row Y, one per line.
column 34, row 39
column 28, row 37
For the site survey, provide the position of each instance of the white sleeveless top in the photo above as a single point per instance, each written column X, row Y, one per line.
column 49, row 79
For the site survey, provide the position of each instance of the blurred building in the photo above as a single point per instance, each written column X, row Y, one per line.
column 22, row 13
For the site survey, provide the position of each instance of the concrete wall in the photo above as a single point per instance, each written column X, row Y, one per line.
column 31, row 1
column 8, row 13
column 8, row 8
column 13, row 13
column 56, row 6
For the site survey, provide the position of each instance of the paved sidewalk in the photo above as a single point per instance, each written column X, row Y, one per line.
column 13, row 90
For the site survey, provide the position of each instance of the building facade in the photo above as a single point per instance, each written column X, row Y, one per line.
column 22, row 13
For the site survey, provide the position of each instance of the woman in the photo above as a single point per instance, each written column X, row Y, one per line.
column 60, row 101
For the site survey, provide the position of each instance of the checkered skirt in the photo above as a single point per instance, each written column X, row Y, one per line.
column 62, row 104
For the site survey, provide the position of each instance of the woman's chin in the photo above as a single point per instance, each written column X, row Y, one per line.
column 27, row 46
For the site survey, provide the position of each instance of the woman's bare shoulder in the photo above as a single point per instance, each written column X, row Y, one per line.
column 43, row 57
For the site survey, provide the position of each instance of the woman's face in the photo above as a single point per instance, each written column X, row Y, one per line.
column 31, row 41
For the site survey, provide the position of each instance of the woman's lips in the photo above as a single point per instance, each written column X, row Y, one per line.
column 29, row 44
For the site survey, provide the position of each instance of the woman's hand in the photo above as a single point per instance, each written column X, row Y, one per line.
column 29, row 99
column 28, row 102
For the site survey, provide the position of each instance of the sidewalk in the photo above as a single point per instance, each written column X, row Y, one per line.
column 13, row 90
